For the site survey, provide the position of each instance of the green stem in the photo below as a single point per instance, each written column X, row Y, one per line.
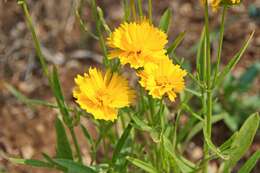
column 132, row 4
column 99, row 32
column 75, row 141
column 37, row 44
column 206, row 92
column 150, row 11
column 126, row 10
column 151, row 106
column 222, row 26
column 140, row 8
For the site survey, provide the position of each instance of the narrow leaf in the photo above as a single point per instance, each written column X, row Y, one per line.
column 198, row 127
column 56, row 88
column 143, row 165
column 184, row 165
column 121, row 143
column 140, row 124
column 165, row 20
column 30, row 162
column 63, row 146
column 234, row 60
column 74, row 167
column 87, row 135
column 242, row 141
column 176, row 43
column 213, row 148
column 250, row 163
column 26, row 100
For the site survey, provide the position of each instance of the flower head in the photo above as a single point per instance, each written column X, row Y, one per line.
column 215, row 4
column 137, row 43
column 163, row 78
column 102, row 95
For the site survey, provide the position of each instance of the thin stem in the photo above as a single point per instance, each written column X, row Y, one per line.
column 150, row 11
column 75, row 141
column 133, row 9
column 99, row 32
column 126, row 10
column 222, row 26
column 37, row 44
column 206, row 93
column 140, row 8
column 151, row 105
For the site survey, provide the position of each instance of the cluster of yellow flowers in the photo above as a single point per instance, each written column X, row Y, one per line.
column 215, row 4
column 142, row 46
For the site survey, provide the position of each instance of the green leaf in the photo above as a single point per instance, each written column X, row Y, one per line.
column 165, row 20
column 143, row 165
column 188, row 109
column 53, row 162
column 56, row 85
column 139, row 124
column 234, row 60
column 63, row 146
column 176, row 43
column 231, row 122
column 56, row 88
column 183, row 164
column 242, row 141
column 26, row 100
column 31, row 162
column 200, row 55
column 250, row 163
column 213, row 148
column 227, row 144
column 74, row 167
column 87, row 135
column 121, row 143
column 103, row 21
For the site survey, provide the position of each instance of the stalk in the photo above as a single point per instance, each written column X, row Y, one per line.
column 206, row 91
column 140, row 8
column 76, row 144
column 37, row 44
column 222, row 26
column 133, row 9
column 99, row 32
column 150, row 12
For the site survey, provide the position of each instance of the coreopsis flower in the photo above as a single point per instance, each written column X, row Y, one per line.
column 165, row 78
column 137, row 43
column 102, row 94
column 215, row 4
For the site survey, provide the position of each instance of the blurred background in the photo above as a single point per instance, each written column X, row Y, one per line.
column 28, row 131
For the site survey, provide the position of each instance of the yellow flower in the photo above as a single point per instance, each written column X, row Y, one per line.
column 215, row 4
column 163, row 78
column 137, row 43
column 102, row 95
